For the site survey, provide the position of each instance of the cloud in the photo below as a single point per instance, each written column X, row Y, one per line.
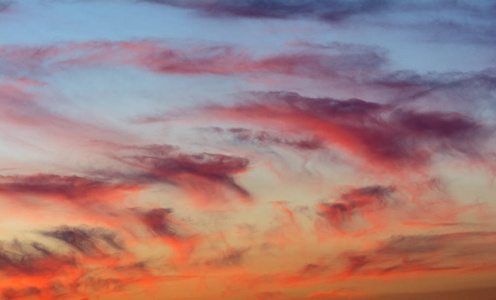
column 5, row 6
column 91, row 261
column 207, row 178
column 10, row 294
column 161, row 57
column 382, row 136
column 231, row 257
column 172, row 232
column 445, row 25
column 31, row 269
column 365, row 68
column 397, row 256
column 17, row 258
column 326, row 10
column 356, row 201
column 75, row 190
column 154, row 55
column 158, row 222
column 308, row 273
column 419, row 244
column 264, row 138
column 404, row 254
column 91, row 242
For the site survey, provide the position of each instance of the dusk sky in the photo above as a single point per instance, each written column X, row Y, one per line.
column 247, row 150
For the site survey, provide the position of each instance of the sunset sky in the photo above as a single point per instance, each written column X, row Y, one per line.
column 247, row 150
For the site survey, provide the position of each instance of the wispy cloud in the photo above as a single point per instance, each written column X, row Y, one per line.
column 205, row 177
column 76, row 190
column 384, row 136
column 328, row 11
column 445, row 26
column 420, row 253
column 357, row 200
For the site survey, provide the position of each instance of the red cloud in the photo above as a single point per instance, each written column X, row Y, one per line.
column 207, row 178
column 76, row 190
column 381, row 136
column 91, row 261
column 158, row 57
column 162, row 225
column 355, row 201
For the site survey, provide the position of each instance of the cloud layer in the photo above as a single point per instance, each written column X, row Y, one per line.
column 247, row 149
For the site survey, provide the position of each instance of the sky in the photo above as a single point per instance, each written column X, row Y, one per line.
column 247, row 150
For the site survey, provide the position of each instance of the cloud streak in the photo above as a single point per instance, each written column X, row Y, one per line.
column 383, row 136
column 75, row 190
column 458, row 251
column 445, row 27
column 328, row 10
column 358, row 200
column 207, row 178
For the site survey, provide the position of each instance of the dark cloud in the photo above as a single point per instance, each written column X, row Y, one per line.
column 5, row 6
column 33, row 269
column 157, row 220
column 443, row 21
column 73, row 189
column 417, row 86
column 232, row 257
column 357, row 200
column 206, row 177
column 173, row 232
column 11, row 293
column 325, row 10
column 452, row 92
column 437, row 125
column 383, row 135
column 20, row 258
column 92, row 241
column 371, row 195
